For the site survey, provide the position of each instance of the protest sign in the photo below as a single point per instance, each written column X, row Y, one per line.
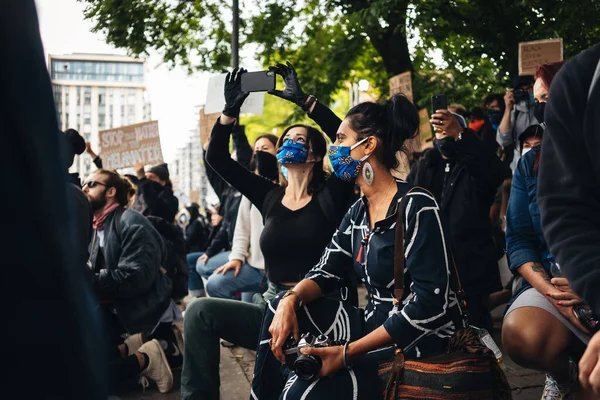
column 426, row 134
column 207, row 121
column 123, row 147
column 215, row 98
column 402, row 84
column 533, row 54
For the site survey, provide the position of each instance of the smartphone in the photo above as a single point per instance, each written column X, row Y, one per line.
column 260, row 81
column 438, row 102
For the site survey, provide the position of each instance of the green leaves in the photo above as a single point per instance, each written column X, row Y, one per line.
column 332, row 42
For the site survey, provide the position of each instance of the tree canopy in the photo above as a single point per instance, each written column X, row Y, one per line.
column 336, row 41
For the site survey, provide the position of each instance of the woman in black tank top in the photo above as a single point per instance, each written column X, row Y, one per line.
column 301, row 214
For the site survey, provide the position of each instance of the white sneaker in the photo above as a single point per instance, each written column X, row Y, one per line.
column 134, row 342
column 158, row 368
column 555, row 391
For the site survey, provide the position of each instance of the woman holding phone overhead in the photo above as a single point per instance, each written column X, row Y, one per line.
column 299, row 220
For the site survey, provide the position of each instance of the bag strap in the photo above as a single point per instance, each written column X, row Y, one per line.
column 400, row 259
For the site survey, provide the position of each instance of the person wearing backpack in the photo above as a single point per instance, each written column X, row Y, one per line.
column 127, row 255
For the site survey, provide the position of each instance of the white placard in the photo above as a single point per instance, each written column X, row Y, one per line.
column 215, row 98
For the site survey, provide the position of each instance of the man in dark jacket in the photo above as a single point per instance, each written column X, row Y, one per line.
column 126, row 257
column 463, row 175
column 569, row 187
column 156, row 190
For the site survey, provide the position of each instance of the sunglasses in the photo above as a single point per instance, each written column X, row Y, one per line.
column 93, row 184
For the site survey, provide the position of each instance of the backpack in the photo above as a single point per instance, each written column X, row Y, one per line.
column 175, row 264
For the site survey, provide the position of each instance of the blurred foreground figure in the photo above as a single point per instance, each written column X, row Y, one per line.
column 569, row 189
column 52, row 347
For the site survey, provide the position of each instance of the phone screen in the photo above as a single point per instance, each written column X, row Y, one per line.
column 261, row 81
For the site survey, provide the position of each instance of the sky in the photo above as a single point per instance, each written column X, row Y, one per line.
column 175, row 96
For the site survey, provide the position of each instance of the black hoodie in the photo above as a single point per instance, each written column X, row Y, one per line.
column 569, row 177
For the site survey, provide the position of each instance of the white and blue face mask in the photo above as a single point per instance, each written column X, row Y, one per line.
column 292, row 152
column 344, row 166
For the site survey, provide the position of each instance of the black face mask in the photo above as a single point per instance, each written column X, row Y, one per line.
column 266, row 164
column 495, row 117
column 538, row 111
column 446, row 146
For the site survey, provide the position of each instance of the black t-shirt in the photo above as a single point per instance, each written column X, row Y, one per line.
column 292, row 241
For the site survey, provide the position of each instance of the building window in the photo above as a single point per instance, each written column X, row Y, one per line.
column 98, row 71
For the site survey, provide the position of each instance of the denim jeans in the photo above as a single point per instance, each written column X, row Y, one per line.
column 197, row 271
column 195, row 284
column 249, row 281
column 206, row 270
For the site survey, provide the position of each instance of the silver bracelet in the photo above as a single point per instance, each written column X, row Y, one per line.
column 348, row 367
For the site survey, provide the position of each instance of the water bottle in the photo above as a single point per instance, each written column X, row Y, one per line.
column 489, row 342
column 555, row 270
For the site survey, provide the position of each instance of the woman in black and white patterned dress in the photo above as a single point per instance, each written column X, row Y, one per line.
column 366, row 146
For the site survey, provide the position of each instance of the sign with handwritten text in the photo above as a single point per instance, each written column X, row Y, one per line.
column 533, row 54
column 123, row 147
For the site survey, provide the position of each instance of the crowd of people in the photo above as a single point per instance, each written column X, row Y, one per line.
column 290, row 243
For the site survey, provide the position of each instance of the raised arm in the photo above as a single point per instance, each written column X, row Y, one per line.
column 95, row 158
column 504, row 134
column 242, row 147
column 254, row 187
column 321, row 114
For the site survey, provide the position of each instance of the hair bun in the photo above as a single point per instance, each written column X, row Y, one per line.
column 402, row 118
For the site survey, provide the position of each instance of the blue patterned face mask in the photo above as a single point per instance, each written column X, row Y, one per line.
column 292, row 152
column 345, row 167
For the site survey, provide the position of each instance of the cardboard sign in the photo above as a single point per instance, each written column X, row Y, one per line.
column 207, row 121
column 215, row 98
column 533, row 54
column 402, row 84
column 426, row 133
column 123, row 147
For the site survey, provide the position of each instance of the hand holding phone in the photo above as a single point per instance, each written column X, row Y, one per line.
column 438, row 102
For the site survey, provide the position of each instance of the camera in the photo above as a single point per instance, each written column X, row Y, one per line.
column 521, row 95
column 305, row 366
column 586, row 317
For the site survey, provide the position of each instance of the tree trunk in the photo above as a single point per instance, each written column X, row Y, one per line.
column 392, row 46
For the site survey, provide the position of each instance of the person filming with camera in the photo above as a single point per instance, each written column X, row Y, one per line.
column 365, row 150
column 519, row 115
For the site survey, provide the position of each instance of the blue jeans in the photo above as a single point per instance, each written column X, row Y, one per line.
column 195, row 285
column 197, row 271
column 249, row 281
